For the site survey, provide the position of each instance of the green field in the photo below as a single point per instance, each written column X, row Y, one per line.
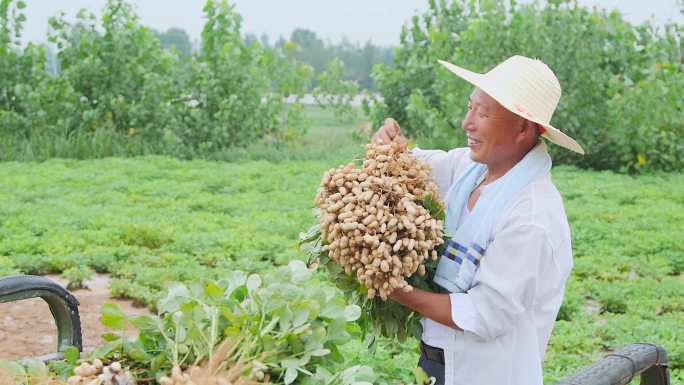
column 152, row 220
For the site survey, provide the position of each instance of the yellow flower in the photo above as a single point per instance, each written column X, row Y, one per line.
column 131, row 131
column 641, row 159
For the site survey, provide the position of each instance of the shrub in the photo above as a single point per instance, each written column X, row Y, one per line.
column 7, row 267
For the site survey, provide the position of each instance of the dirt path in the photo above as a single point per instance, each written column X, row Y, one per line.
column 28, row 330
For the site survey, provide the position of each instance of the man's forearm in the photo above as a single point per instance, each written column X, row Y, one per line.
column 435, row 306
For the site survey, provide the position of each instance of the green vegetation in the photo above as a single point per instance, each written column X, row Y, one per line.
column 287, row 320
column 358, row 59
column 119, row 93
column 150, row 221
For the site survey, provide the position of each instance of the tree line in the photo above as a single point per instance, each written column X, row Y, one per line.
column 307, row 47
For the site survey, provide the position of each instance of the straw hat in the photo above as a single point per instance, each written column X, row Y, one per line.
column 527, row 87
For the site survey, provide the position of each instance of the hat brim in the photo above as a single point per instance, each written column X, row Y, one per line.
column 480, row 81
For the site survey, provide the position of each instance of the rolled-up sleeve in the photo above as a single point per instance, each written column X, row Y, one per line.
column 505, row 284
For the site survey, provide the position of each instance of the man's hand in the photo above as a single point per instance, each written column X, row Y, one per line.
column 388, row 132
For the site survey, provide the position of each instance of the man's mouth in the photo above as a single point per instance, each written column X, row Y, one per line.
column 472, row 141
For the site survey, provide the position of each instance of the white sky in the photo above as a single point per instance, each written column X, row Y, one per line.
column 359, row 20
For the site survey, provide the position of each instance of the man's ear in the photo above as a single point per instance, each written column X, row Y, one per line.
column 527, row 127
column 527, row 131
column 520, row 124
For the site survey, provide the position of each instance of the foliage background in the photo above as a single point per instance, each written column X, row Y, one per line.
column 118, row 92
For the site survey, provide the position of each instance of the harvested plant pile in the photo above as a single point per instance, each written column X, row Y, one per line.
column 380, row 229
column 374, row 221
column 99, row 374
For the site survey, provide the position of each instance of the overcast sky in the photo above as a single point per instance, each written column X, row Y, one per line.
column 359, row 20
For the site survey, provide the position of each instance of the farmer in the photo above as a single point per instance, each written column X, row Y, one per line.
column 504, row 272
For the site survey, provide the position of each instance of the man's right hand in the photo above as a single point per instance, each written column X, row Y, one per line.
column 388, row 132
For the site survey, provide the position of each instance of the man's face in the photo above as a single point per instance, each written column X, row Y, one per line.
column 491, row 131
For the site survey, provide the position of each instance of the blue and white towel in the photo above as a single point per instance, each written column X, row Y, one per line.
column 469, row 242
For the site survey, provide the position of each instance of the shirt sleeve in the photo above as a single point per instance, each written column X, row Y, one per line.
column 445, row 165
column 505, row 284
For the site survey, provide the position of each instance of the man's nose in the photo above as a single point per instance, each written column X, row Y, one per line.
column 467, row 123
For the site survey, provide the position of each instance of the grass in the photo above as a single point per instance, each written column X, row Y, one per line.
column 153, row 220
column 326, row 138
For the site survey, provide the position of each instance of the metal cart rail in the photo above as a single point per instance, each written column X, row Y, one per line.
column 63, row 306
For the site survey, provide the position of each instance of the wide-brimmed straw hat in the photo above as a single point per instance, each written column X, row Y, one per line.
column 527, row 87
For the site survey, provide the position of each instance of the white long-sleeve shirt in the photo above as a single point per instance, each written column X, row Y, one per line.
column 508, row 314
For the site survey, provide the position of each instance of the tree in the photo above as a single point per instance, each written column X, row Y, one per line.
column 176, row 37
column 311, row 49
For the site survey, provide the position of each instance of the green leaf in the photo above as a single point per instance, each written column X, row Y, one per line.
column 334, row 269
column 239, row 293
column 352, row 313
column 320, row 352
column 158, row 361
column 332, row 309
column 268, row 342
column 113, row 317
column 300, row 273
column 71, row 355
column 391, row 326
column 420, row 376
column 434, row 207
column 427, row 202
column 336, row 333
column 177, row 293
column 352, row 328
column 104, row 350
column 312, row 234
column 214, row 291
column 295, row 343
column 416, row 328
column 146, row 323
column 285, row 318
column 21, row 5
column 316, row 338
column 136, row 351
column 325, row 258
column 110, row 337
column 290, row 375
column 253, row 282
column 301, row 316
column 12, row 367
column 370, row 343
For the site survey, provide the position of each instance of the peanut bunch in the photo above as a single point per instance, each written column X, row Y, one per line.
column 177, row 377
column 99, row 374
column 373, row 219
